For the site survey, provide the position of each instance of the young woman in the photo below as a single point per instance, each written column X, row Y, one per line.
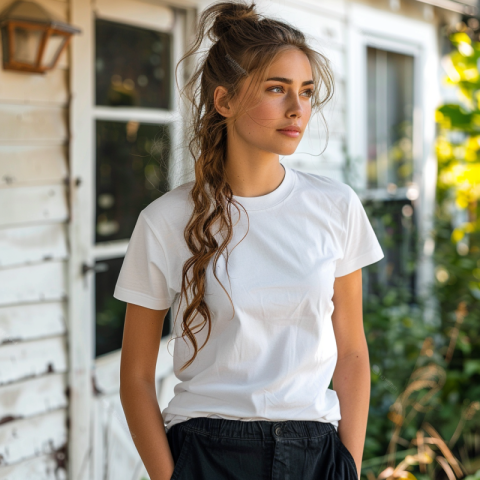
column 262, row 263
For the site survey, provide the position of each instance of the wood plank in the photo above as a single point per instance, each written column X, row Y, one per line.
column 49, row 392
column 97, row 442
column 21, row 87
column 107, row 373
column 28, row 359
column 336, row 57
column 80, row 449
column 59, row 8
column 165, row 358
column 119, row 451
column 42, row 467
column 107, row 368
column 166, row 390
column 33, row 204
column 32, row 283
column 334, row 118
column 332, row 8
column 22, row 439
column 143, row 14
column 27, row 124
column 334, row 171
column 329, row 28
column 33, row 243
column 307, row 154
column 32, row 321
column 32, row 165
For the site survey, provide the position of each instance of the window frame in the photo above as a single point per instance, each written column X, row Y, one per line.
column 172, row 117
column 383, row 30
column 117, row 248
column 368, row 26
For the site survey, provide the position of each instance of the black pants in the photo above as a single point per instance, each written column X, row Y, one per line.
column 212, row 448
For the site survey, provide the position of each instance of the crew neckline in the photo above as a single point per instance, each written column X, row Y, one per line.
column 270, row 199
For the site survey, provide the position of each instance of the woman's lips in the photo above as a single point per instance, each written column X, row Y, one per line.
column 290, row 133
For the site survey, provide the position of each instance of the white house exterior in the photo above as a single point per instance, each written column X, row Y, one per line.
column 60, row 412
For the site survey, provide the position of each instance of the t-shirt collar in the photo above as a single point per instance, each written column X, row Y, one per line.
column 273, row 198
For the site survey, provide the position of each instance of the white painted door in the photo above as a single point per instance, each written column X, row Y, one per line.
column 126, row 152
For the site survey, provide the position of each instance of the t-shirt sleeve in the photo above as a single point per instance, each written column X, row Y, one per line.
column 143, row 278
column 361, row 246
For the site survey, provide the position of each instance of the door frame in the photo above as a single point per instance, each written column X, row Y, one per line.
column 84, row 378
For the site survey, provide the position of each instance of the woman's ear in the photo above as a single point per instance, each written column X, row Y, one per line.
column 220, row 102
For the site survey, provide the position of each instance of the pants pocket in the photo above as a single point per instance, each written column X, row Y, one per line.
column 180, row 442
column 347, row 456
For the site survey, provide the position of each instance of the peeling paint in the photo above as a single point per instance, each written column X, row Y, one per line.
column 10, row 418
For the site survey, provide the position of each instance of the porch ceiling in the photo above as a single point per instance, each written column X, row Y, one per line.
column 467, row 7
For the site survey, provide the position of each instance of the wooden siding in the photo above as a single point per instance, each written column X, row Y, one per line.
column 28, row 437
column 33, row 261
column 40, row 467
column 324, row 28
column 31, row 321
column 34, row 243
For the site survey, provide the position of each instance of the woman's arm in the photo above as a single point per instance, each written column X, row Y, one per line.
column 351, row 379
column 141, row 341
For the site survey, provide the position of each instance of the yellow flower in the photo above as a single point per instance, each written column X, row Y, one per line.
column 457, row 235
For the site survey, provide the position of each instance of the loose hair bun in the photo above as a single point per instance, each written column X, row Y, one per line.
column 228, row 14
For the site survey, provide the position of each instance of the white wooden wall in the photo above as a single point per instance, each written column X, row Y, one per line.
column 324, row 23
column 33, row 259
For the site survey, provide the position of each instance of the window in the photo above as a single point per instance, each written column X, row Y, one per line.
column 390, row 118
column 110, row 312
column 133, row 117
column 132, row 66
column 131, row 172
column 390, row 165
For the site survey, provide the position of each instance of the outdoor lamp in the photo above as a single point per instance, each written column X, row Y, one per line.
column 32, row 38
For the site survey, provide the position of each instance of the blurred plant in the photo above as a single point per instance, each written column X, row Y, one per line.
column 457, row 225
column 427, row 449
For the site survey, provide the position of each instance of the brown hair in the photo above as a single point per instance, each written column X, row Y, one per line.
column 245, row 43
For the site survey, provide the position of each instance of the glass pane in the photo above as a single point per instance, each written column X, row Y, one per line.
column 26, row 43
column 131, row 171
column 132, row 66
column 52, row 48
column 394, row 223
column 390, row 103
column 110, row 312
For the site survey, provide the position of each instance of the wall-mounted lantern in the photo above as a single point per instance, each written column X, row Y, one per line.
column 32, row 38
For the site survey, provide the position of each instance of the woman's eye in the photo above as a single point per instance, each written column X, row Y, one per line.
column 309, row 92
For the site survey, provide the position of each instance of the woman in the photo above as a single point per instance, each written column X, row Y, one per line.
column 269, row 292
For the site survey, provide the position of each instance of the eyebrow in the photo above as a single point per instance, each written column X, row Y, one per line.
column 288, row 80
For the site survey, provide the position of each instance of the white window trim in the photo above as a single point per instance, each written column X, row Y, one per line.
column 381, row 29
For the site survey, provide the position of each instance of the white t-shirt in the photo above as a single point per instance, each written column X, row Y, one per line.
column 273, row 359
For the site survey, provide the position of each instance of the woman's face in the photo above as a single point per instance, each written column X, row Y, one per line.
column 284, row 98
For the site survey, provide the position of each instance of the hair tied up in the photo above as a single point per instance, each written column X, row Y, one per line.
column 233, row 63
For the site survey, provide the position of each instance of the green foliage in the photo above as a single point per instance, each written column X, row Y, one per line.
column 401, row 342
column 457, row 231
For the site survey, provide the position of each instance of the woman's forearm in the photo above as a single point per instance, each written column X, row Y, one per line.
column 351, row 381
column 146, row 426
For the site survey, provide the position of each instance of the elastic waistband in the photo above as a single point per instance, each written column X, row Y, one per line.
column 260, row 429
